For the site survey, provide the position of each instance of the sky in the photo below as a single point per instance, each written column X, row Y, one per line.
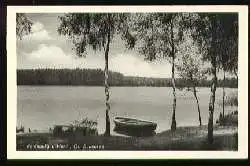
column 45, row 48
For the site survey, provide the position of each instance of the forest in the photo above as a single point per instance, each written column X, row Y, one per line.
column 95, row 77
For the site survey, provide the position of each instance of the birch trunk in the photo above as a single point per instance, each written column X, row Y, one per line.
column 214, row 83
column 223, row 97
column 173, row 125
column 236, row 74
column 211, row 106
column 107, row 132
column 198, row 105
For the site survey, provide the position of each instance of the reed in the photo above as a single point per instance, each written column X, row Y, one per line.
column 230, row 100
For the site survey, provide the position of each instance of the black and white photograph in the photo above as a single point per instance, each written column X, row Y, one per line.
column 128, row 80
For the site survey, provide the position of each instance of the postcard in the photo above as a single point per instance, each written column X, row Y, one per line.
column 127, row 82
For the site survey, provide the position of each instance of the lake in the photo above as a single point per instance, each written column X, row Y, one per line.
column 41, row 107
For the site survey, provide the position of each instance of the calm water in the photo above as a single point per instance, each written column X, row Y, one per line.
column 41, row 107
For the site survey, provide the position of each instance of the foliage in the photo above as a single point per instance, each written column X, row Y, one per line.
column 229, row 42
column 23, row 25
column 224, row 27
column 143, row 34
column 150, row 34
column 90, row 29
column 189, row 61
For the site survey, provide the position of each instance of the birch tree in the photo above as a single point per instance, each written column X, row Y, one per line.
column 228, row 61
column 157, row 36
column 190, row 66
column 96, row 30
column 211, row 30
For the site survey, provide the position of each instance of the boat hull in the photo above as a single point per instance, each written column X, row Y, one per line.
column 134, row 126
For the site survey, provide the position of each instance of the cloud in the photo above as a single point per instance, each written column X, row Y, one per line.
column 133, row 65
column 48, row 56
column 52, row 56
column 37, row 26
column 39, row 33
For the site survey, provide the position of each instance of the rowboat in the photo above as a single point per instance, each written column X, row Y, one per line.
column 132, row 124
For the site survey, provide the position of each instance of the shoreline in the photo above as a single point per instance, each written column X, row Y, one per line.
column 114, row 86
column 184, row 138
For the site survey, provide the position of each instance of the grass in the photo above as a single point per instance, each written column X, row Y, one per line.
column 193, row 138
column 32, row 138
column 185, row 138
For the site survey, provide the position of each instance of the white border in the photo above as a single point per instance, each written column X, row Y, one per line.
column 12, row 88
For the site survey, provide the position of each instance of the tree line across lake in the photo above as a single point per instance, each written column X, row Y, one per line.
column 95, row 77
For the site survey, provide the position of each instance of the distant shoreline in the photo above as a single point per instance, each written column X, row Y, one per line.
column 118, row 86
column 95, row 77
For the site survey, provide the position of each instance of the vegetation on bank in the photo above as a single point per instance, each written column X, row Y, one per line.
column 232, row 117
column 85, row 127
column 95, row 77
column 185, row 138
column 83, row 135
column 230, row 100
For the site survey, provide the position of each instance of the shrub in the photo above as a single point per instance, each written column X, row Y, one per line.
column 231, row 100
column 84, row 127
column 228, row 120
